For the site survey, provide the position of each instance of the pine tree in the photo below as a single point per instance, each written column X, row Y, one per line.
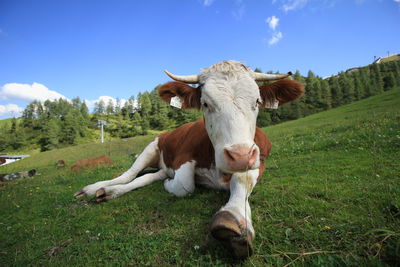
column 50, row 133
column 145, row 105
column 99, row 107
column 389, row 81
column 376, row 78
column 326, row 97
column 69, row 129
column 16, row 136
column 336, row 92
column 28, row 116
column 110, row 108
column 84, row 111
column 347, row 88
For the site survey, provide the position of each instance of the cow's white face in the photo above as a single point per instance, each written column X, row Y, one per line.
column 230, row 105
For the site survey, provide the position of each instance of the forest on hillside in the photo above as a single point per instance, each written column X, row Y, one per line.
column 60, row 123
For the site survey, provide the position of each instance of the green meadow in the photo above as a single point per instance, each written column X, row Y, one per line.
column 330, row 196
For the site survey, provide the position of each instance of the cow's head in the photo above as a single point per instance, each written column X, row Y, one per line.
column 229, row 97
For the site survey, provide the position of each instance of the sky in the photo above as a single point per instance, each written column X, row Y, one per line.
column 114, row 49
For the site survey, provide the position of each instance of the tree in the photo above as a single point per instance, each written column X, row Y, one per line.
column 99, row 107
column 336, row 92
column 389, row 81
column 84, row 111
column 347, row 88
column 69, row 129
column 325, row 95
column 376, row 79
column 264, row 118
column 144, row 105
column 50, row 133
column 110, row 107
column 16, row 136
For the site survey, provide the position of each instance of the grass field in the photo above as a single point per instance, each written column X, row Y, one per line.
column 330, row 196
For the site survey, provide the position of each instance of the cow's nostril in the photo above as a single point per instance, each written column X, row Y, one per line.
column 240, row 157
column 229, row 155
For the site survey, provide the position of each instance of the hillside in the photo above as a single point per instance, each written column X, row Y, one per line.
column 330, row 196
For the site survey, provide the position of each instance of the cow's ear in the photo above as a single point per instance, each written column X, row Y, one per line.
column 283, row 91
column 188, row 96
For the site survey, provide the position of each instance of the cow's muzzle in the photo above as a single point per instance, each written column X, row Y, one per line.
column 241, row 157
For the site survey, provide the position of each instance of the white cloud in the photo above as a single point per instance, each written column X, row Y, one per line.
column 11, row 109
column 208, row 2
column 397, row 1
column 275, row 38
column 294, row 4
column 28, row 92
column 272, row 22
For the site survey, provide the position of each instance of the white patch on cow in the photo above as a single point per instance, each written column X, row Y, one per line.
column 183, row 181
column 229, row 100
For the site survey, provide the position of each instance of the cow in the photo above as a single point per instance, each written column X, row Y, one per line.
column 5, row 177
column 61, row 164
column 223, row 150
column 92, row 162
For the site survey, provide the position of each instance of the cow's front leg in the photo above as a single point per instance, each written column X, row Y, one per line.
column 148, row 157
column 183, row 181
column 232, row 223
column 113, row 191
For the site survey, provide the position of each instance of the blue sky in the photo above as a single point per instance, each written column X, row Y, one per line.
column 98, row 49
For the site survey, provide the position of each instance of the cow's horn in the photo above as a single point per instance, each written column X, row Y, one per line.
column 268, row 77
column 185, row 79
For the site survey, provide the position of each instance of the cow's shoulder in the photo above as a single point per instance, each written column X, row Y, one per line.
column 265, row 147
column 188, row 142
column 263, row 144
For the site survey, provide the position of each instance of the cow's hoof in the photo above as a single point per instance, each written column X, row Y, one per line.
column 80, row 194
column 225, row 228
column 101, row 195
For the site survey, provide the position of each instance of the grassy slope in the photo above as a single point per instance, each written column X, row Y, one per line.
column 330, row 195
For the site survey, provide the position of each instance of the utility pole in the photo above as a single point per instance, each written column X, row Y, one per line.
column 102, row 123
column 102, row 133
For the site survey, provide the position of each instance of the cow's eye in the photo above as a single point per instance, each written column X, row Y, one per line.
column 258, row 102
column 205, row 105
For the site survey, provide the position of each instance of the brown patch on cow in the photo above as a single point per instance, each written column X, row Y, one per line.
column 61, row 164
column 186, row 143
column 284, row 91
column 265, row 147
column 189, row 96
column 2, row 161
column 93, row 162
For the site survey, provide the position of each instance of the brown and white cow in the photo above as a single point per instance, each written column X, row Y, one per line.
column 224, row 150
